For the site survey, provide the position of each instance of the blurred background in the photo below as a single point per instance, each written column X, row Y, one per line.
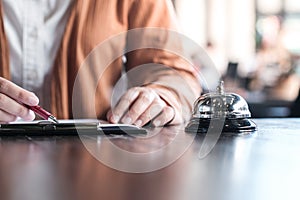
column 254, row 44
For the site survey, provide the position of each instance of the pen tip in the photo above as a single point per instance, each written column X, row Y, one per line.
column 53, row 119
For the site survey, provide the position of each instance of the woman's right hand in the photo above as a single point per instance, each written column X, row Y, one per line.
column 11, row 99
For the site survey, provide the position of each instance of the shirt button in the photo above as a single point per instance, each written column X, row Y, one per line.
column 33, row 32
column 32, row 75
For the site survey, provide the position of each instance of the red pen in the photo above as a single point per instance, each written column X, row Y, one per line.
column 42, row 113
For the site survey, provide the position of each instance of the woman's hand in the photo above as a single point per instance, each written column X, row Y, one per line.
column 140, row 105
column 11, row 99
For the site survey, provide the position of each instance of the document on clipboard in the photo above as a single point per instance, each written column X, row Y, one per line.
column 68, row 127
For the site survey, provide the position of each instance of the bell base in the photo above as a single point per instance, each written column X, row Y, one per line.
column 231, row 126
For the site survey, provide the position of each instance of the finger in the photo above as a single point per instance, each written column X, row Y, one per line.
column 165, row 117
column 126, row 100
column 139, row 106
column 6, row 117
column 151, row 112
column 12, row 107
column 109, row 116
column 19, row 94
column 30, row 116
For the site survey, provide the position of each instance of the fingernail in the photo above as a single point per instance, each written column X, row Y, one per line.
column 157, row 123
column 115, row 118
column 138, row 123
column 30, row 116
column 127, row 120
column 33, row 100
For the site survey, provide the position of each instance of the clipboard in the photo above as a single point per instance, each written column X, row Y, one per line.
column 67, row 128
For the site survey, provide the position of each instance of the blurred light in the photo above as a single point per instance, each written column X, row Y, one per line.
column 292, row 5
column 269, row 6
column 191, row 15
column 291, row 32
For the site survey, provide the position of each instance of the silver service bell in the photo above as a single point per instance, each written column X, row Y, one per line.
column 229, row 107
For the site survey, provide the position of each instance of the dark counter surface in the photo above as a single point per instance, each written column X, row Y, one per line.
column 261, row 166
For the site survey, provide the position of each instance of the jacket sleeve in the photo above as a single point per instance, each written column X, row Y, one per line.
column 4, row 51
column 157, row 58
